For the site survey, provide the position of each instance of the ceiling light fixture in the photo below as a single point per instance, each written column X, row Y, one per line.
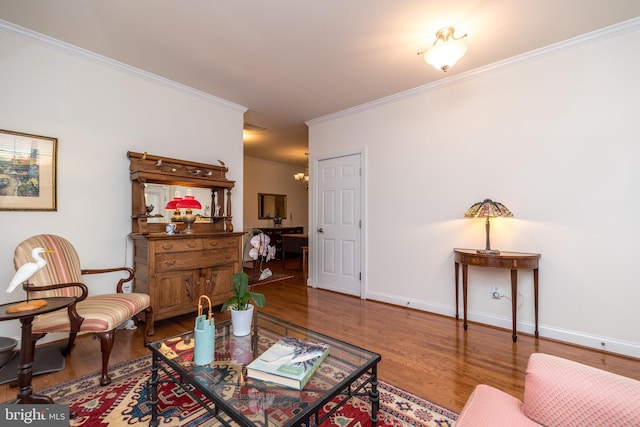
column 251, row 132
column 303, row 177
column 446, row 50
column 253, row 127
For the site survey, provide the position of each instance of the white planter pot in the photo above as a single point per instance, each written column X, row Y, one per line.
column 241, row 321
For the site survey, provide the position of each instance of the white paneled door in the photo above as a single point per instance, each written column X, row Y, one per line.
column 339, row 224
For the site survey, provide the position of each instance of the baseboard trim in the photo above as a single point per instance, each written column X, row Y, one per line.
column 602, row 343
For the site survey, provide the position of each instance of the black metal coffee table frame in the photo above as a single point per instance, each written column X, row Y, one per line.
column 362, row 380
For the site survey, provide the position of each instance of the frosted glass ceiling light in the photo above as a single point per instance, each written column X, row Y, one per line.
column 446, row 50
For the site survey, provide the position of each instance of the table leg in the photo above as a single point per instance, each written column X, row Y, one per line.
column 514, row 301
column 456, row 265
column 374, row 396
column 25, row 370
column 153, row 399
column 465, row 275
column 535, row 297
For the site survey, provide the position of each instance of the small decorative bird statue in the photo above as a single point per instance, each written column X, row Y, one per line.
column 24, row 273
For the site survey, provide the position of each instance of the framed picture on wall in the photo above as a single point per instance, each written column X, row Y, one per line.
column 27, row 172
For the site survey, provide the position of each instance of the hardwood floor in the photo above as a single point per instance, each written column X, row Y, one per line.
column 426, row 354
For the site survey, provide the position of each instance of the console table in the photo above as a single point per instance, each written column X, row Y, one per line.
column 513, row 261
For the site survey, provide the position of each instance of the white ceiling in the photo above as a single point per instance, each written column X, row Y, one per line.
column 290, row 61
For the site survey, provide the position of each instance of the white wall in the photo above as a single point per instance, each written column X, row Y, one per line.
column 99, row 111
column 554, row 137
column 261, row 176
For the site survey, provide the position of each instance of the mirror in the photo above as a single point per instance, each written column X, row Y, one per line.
column 272, row 205
column 157, row 195
column 154, row 181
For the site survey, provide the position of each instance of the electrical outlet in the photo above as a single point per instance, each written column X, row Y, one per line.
column 496, row 293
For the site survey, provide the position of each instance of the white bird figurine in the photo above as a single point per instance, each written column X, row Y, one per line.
column 26, row 271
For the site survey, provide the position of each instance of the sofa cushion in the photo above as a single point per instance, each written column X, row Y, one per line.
column 560, row 392
column 488, row 406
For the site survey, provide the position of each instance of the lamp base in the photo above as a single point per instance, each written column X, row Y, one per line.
column 188, row 218
column 488, row 251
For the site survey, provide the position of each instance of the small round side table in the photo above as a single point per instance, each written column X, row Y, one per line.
column 25, row 369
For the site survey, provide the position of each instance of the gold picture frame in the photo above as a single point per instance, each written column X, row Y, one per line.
column 27, row 172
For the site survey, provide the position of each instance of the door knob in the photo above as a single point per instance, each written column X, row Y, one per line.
column 320, row 230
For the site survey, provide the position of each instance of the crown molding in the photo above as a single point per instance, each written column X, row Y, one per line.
column 25, row 33
column 572, row 43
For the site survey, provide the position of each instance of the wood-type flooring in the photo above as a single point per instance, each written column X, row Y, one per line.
column 426, row 354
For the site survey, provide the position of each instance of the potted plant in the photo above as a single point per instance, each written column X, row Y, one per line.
column 240, row 303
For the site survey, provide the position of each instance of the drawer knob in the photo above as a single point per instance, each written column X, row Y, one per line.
column 167, row 246
column 170, row 263
column 192, row 244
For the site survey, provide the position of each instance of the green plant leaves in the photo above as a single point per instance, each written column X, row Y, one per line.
column 242, row 295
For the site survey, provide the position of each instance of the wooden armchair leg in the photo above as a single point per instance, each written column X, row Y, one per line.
column 106, row 344
column 35, row 337
column 75, row 321
column 148, row 325
column 72, row 338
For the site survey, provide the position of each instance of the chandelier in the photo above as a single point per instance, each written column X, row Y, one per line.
column 303, row 177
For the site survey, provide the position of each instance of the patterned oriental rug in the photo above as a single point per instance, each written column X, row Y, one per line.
column 125, row 402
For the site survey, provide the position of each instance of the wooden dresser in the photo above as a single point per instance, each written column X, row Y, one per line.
column 175, row 269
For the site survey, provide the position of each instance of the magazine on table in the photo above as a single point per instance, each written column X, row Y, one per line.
column 290, row 362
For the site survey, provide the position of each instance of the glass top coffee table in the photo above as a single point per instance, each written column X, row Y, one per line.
column 223, row 389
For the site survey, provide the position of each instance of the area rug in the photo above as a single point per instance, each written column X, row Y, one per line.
column 275, row 277
column 125, row 402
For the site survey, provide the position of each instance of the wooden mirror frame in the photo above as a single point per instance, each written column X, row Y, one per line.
column 146, row 168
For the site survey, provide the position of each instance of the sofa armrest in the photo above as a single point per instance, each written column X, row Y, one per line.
column 561, row 392
column 490, row 407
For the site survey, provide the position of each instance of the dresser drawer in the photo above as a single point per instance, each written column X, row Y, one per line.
column 190, row 260
column 220, row 243
column 179, row 245
column 222, row 256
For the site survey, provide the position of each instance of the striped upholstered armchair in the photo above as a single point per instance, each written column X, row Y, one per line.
column 97, row 314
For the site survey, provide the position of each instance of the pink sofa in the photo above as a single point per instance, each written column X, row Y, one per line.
column 557, row 392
